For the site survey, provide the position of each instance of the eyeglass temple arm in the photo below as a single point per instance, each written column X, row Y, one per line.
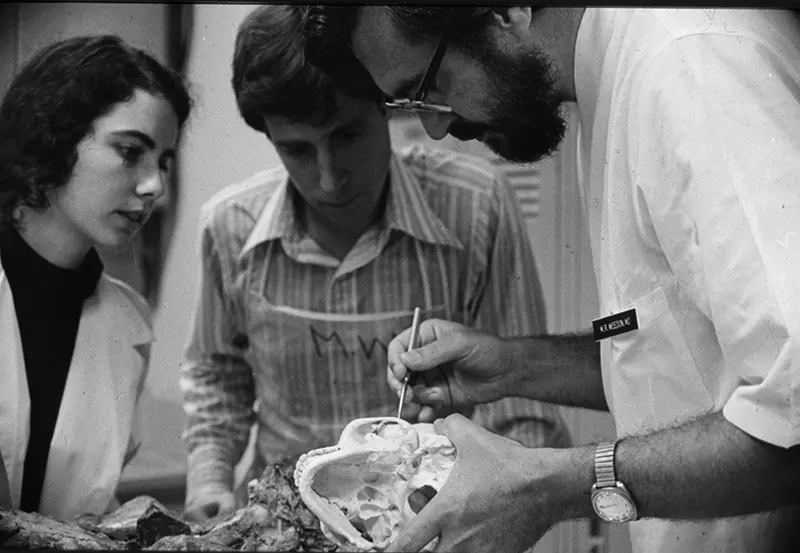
column 430, row 72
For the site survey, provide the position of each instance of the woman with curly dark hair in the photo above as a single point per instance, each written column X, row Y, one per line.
column 88, row 130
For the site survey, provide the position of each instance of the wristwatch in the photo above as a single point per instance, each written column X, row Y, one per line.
column 610, row 498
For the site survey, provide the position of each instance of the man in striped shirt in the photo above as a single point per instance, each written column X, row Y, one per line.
column 310, row 269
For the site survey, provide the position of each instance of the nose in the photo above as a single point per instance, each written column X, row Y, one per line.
column 435, row 124
column 153, row 185
column 328, row 174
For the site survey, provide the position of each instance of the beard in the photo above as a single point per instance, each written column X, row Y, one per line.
column 526, row 118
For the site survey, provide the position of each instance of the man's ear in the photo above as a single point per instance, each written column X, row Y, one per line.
column 514, row 19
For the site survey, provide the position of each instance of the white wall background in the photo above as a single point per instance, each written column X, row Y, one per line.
column 40, row 24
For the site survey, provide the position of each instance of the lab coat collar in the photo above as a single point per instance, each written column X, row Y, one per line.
column 139, row 331
column 407, row 211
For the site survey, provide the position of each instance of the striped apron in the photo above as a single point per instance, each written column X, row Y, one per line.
column 315, row 372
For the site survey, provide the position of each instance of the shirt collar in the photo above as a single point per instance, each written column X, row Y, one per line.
column 277, row 219
column 407, row 210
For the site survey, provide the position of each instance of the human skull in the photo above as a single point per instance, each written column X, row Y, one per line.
column 359, row 488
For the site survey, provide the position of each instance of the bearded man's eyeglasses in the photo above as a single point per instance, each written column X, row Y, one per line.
column 419, row 103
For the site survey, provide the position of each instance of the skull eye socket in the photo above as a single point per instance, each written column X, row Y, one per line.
column 420, row 497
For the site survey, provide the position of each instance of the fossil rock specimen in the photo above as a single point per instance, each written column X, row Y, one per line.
column 20, row 530
column 276, row 519
column 350, row 497
column 141, row 521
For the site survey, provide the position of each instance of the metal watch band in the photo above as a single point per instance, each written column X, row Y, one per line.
column 604, row 465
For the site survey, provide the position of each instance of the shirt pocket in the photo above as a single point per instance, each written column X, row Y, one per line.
column 656, row 382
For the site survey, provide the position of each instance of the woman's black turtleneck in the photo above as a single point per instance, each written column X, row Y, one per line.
column 48, row 301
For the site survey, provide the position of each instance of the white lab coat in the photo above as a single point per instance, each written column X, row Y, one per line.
column 689, row 164
column 95, row 433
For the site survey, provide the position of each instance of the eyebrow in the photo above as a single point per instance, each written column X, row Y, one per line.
column 143, row 137
column 290, row 142
column 349, row 126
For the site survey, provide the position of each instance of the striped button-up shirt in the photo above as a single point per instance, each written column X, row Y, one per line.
column 451, row 225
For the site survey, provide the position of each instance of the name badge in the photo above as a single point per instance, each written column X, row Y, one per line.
column 619, row 323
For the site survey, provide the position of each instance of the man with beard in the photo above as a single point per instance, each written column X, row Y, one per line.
column 311, row 268
column 690, row 157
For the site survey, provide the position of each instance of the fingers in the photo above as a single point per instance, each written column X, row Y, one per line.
column 214, row 506
column 432, row 401
column 411, row 412
column 421, row 529
column 435, row 391
column 437, row 401
column 397, row 371
column 471, row 438
column 198, row 514
column 456, row 427
column 426, row 334
column 438, row 352
column 427, row 414
column 429, row 387
column 427, row 525
column 438, row 342
column 396, row 382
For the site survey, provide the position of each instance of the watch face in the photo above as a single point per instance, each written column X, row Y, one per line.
column 613, row 506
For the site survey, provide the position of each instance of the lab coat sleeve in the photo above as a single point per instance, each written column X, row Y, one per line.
column 216, row 381
column 718, row 154
column 507, row 300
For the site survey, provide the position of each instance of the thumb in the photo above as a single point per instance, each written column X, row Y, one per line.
column 419, row 531
column 459, row 429
column 444, row 350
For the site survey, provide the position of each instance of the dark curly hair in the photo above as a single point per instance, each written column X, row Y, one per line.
column 272, row 77
column 53, row 102
column 329, row 29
